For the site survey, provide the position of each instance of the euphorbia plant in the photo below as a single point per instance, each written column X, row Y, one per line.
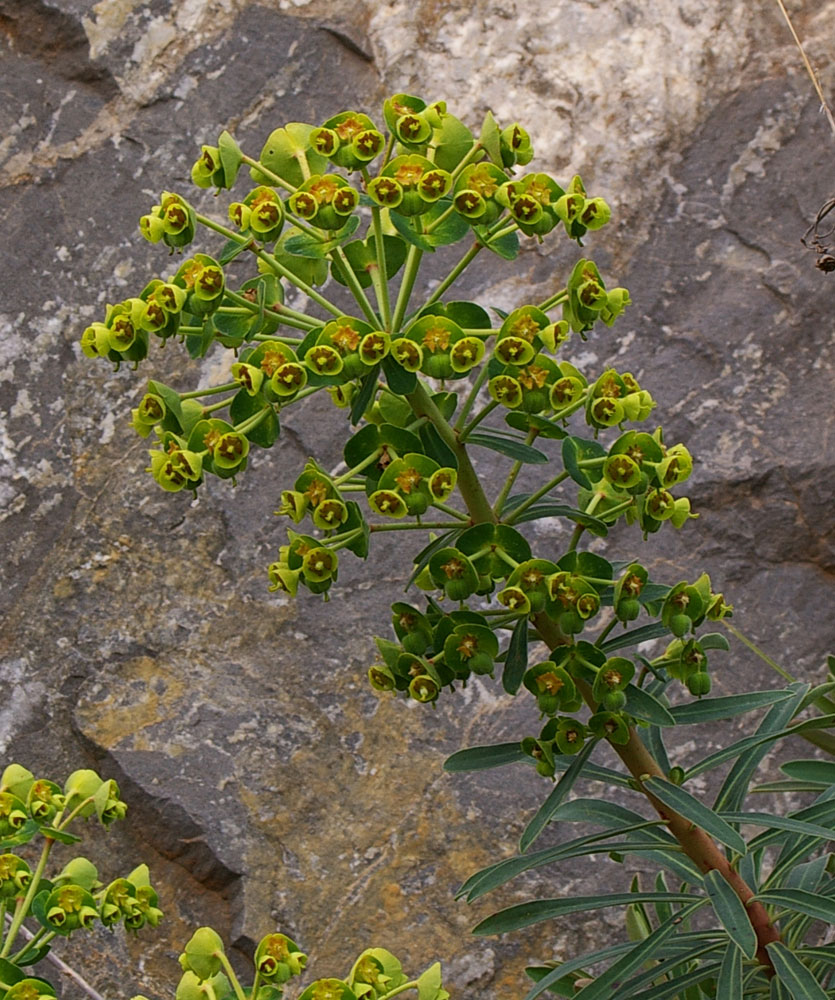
column 422, row 382
column 57, row 898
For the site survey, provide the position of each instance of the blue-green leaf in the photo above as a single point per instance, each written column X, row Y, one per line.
column 545, row 812
column 780, row 823
column 365, row 397
column 514, row 918
column 642, row 705
column 731, row 912
column 810, row 770
column 517, row 450
column 516, row 661
column 793, row 973
column 636, row 635
column 735, row 786
column 729, row 983
column 710, row 709
column 604, row 986
column 813, row 904
column 483, row 758
column 698, row 813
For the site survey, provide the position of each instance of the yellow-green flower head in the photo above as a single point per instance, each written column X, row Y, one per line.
column 277, row 958
column 325, row 200
column 69, row 908
column 531, row 200
column 407, row 353
column 44, row 800
column 421, row 183
column 15, row 876
column 30, row 989
column 348, row 126
column 248, row 377
column 475, row 192
column 178, row 220
column 506, row 389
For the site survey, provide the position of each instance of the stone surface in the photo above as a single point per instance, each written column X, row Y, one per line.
column 268, row 786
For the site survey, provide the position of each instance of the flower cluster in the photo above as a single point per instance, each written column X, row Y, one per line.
column 375, row 975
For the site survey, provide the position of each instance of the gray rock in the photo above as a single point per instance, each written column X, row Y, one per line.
column 269, row 787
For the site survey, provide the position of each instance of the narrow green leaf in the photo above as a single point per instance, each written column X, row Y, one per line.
column 679, row 987
column 365, row 397
column 589, row 521
column 729, row 983
column 483, row 758
column 516, row 661
column 689, row 807
column 642, row 705
column 813, row 904
column 491, row 878
column 546, row 977
column 790, row 786
column 735, row 786
column 822, row 771
column 576, row 450
column 62, row 836
column 594, row 772
column 780, row 823
column 809, row 875
column 30, row 957
column 710, row 709
column 793, row 973
column 517, row 450
column 543, row 815
column 731, row 912
column 514, row 918
column 635, row 636
column 653, row 739
column 822, row 953
column 604, row 986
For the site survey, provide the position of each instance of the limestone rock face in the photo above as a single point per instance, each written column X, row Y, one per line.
column 269, row 786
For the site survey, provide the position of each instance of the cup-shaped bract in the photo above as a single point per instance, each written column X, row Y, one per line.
column 202, row 952
column 15, row 876
column 453, row 572
column 349, row 126
column 68, row 908
column 421, row 184
column 474, row 195
column 277, row 958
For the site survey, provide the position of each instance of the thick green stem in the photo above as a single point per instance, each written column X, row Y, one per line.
column 251, row 422
column 197, row 393
column 270, row 261
column 230, row 972
column 381, row 286
column 516, row 468
column 341, row 262
column 471, row 398
column 407, row 283
column 461, row 266
column 469, row 484
column 485, row 411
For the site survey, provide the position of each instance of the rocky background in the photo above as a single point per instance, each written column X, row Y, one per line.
column 269, row 787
